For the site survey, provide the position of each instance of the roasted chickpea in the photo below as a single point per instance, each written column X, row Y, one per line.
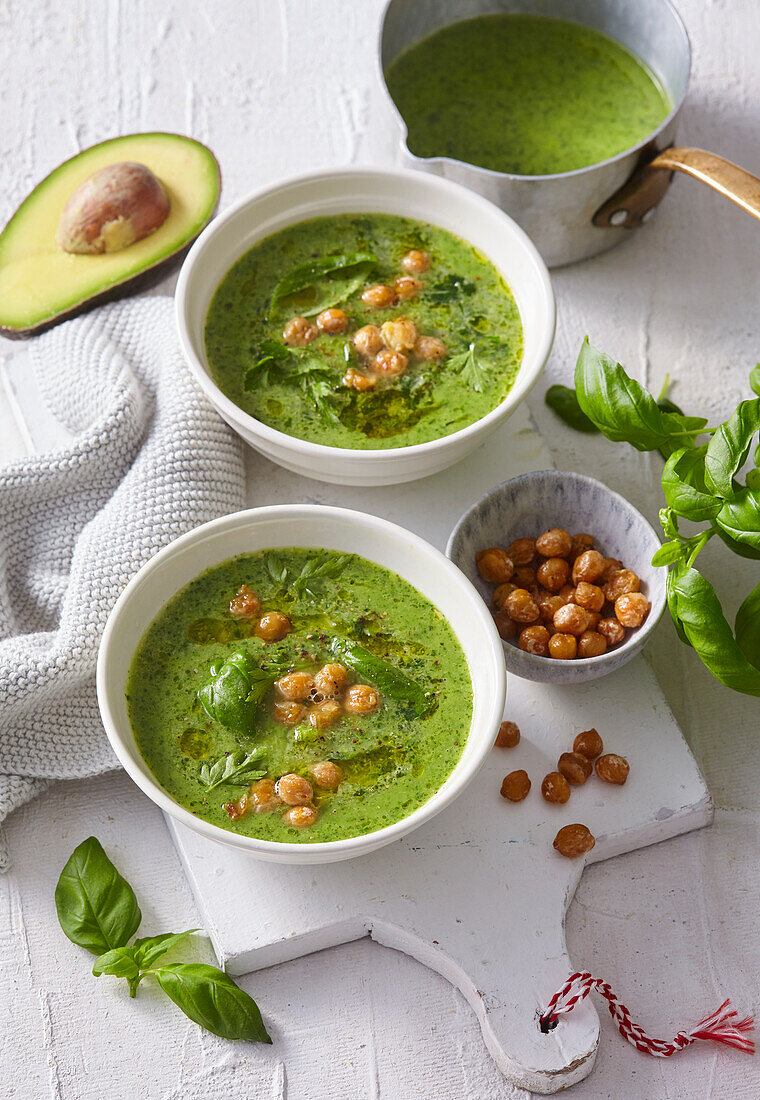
column 611, row 565
column 522, row 551
column 591, row 644
column 521, row 606
column 508, row 735
column 294, row 790
column 245, row 604
column 289, row 713
column 552, row 573
column 632, row 608
column 429, row 349
column 535, row 640
column 612, row 768
column 361, row 699
column 612, row 630
column 301, row 817
column 494, row 566
column 407, row 287
column 391, row 363
column 327, row 775
column 589, row 566
column 571, row 619
column 330, row 680
column 594, row 618
column 563, row 647
column 355, row 380
column 575, row 767
column 588, row 744
column 574, row 840
column 589, row 596
column 399, row 335
column 555, row 543
column 367, row 340
column 325, row 714
column 515, row 786
column 415, row 261
column 332, row 321
column 555, row 788
column 295, row 685
column 299, row 332
column 273, row 626
column 524, row 576
column 263, row 797
column 234, row 810
column 379, row 296
column 505, row 626
column 580, row 544
column 620, row 582
column 567, row 592
column 500, row 593
column 549, row 606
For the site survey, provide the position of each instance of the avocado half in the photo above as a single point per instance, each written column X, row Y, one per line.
column 41, row 285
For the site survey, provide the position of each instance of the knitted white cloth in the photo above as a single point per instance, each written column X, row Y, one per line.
column 150, row 460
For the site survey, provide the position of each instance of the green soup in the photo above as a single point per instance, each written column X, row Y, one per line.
column 219, row 713
column 460, row 300
column 524, row 94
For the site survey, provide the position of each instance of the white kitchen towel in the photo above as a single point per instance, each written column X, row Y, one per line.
column 150, row 459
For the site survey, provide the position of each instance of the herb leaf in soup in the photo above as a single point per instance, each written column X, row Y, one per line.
column 451, row 289
column 236, row 688
column 472, row 369
column 324, row 282
column 385, row 676
column 232, row 769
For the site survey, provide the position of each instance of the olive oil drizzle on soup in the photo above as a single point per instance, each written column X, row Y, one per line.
column 300, row 695
column 364, row 331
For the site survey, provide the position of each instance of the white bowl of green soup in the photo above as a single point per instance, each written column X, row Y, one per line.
column 365, row 327
column 303, row 683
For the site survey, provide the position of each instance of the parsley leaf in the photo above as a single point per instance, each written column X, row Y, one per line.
column 472, row 369
column 232, row 769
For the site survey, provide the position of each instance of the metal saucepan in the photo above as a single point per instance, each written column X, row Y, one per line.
column 573, row 215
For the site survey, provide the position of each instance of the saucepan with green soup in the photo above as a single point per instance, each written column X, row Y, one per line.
column 303, row 683
column 564, row 112
column 365, row 326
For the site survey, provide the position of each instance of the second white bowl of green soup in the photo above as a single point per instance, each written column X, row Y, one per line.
column 365, row 327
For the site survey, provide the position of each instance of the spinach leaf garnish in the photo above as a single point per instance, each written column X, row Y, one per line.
column 233, row 769
column 234, row 691
column 391, row 681
column 97, row 909
column 324, row 282
column 472, row 369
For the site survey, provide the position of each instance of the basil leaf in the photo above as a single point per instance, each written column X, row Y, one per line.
column 753, row 479
column 391, row 681
column 743, row 549
column 664, row 404
column 564, row 402
column 235, row 691
column 329, row 280
column 211, row 999
column 120, row 962
column 697, row 609
column 472, row 370
column 683, row 482
column 747, row 627
column 97, row 909
column 623, row 410
column 150, row 948
column 669, row 552
column 728, row 449
column 669, row 522
column 450, row 289
column 754, row 379
column 740, row 519
column 232, row 769
column 672, row 598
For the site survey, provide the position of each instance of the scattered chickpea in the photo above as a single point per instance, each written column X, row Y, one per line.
column 494, row 566
column 555, row 788
column 295, row 685
column 245, row 604
column 508, row 735
column 574, row 840
column 589, row 566
column 234, row 810
column 549, row 606
column 632, row 608
column 612, row 630
column 289, row 713
column 355, row 380
column 379, row 296
column 332, row 321
column 263, row 797
column 301, row 817
column 580, row 544
column 567, row 592
column 515, row 786
column 361, row 699
column 367, row 340
column 611, row 565
column 391, row 363
column 330, row 680
column 500, row 593
column 521, row 606
column 571, row 619
column 273, row 626
column 591, row 644
column 299, row 332
column 294, row 790
column 524, row 576
column 575, row 767
column 415, row 261
column 594, row 618
column 554, row 543
column 620, row 582
column 327, row 775
column 325, row 714
column 429, row 349
column 553, row 573
column 563, row 647
column 612, row 768
column 407, row 287
column 505, row 626
column 535, row 640
column 400, row 334
column 588, row 744
column 589, row 596
column 522, row 551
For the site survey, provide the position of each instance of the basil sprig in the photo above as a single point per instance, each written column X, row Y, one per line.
column 326, row 281
column 391, row 681
column 97, row 909
column 234, row 692
column 701, row 484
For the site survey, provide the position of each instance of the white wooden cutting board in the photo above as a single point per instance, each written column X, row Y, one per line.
column 478, row 894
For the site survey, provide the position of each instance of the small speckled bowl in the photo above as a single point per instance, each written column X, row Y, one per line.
column 528, row 505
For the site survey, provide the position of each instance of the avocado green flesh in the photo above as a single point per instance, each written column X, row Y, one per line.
column 41, row 284
column 524, row 94
column 241, row 317
column 393, row 761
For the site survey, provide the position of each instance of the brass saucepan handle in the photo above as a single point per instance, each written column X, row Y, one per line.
column 629, row 207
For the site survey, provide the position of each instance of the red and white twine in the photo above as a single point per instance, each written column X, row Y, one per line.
column 721, row 1027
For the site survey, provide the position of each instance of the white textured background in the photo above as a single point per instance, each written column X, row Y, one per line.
column 280, row 88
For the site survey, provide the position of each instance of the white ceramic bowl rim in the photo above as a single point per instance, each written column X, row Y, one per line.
column 229, row 409
column 306, row 852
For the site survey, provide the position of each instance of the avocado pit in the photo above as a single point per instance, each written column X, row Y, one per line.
column 110, row 210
